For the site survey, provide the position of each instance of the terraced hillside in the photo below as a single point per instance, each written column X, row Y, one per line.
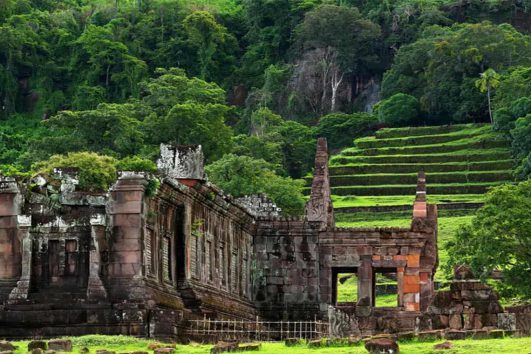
column 461, row 163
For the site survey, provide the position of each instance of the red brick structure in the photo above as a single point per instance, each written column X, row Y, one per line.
column 133, row 262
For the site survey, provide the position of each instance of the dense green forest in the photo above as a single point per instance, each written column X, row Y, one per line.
column 253, row 81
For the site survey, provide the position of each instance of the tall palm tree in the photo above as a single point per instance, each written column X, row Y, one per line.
column 487, row 82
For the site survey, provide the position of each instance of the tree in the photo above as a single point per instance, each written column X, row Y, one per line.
column 186, row 110
column 513, row 86
column 339, row 41
column 521, row 142
column 498, row 238
column 441, row 67
column 489, row 80
column 192, row 123
column 398, row 110
column 111, row 129
column 171, row 86
column 206, row 34
column 243, row 175
column 110, row 62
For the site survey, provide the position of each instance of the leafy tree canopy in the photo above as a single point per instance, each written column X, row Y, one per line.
column 499, row 239
column 440, row 69
column 243, row 175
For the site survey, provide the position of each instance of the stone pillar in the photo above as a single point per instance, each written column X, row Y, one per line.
column 184, row 163
column 95, row 288
column 125, row 249
column 10, row 252
column 23, row 285
column 365, row 287
column 319, row 207
column 420, row 207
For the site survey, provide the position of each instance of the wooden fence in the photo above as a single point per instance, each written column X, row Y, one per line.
column 258, row 330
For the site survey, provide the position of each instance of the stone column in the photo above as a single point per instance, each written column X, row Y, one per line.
column 22, row 289
column 365, row 287
column 126, row 209
column 95, row 288
column 10, row 253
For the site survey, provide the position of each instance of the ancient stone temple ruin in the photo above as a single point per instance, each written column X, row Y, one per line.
column 144, row 261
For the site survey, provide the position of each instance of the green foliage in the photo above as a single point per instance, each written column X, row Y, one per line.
column 513, row 86
column 206, row 34
column 110, row 129
column 340, row 128
column 193, row 123
column 136, row 163
column 441, row 67
column 505, row 117
column 96, row 172
column 521, row 135
column 243, row 175
column 498, row 239
column 343, row 29
column 398, row 110
column 287, row 145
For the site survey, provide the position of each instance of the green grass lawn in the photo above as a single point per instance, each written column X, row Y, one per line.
column 122, row 344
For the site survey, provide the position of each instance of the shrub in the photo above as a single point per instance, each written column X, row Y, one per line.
column 136, row 163
column 398, row 110
column 340, row 128
column 243, row 175
column 96, row 172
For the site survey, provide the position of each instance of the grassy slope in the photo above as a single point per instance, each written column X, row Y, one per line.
column 122, row 344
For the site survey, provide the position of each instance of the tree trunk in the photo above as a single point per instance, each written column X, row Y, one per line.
column 488, row 99
column 335, row 82
column 107, row 74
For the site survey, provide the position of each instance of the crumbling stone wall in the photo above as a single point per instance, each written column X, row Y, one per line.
column 286, row 276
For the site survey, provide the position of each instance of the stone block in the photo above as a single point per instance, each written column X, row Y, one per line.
column 382, row 345
column 455, row 335
column 34, row 344
column 165, row 351
column 444, row 345
column 6, row 346
column 506, row 321
column 455, row 322
column 430, row 335
column 251, row 347
column 62, row 345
